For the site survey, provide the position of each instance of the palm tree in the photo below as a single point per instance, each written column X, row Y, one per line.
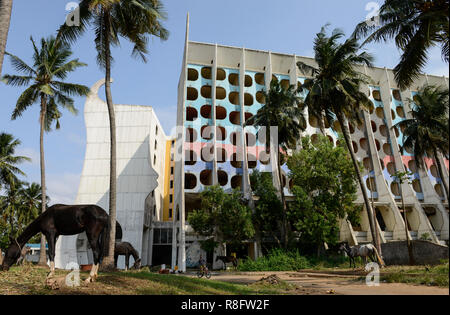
column 282, row 109
column 136, row 21
column 5, row 18
column 402, row 178
column 334, row 91
column 416, row 26
column 45, row 86
column 30, row 196
column 8, row 160
column 427, row 130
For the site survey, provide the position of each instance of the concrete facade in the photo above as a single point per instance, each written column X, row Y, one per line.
column 219, row 89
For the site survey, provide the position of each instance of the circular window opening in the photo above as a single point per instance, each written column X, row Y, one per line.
column 355, row 147
column 233, row 78
column 207, row 154
column 364, row 144
column 191, row 114
column 221, row 113
column 416, row 186
column 221, row 93
column 221, row 155
column 222, row 178
column 397, row 133
column 236, row 160
column 351, row 128
column 207, row 132
column 190, row 158
column 192, row 74
column 190, row 181
column 285, row 84
column 250, row 139
column 396, row 95
column 383, row 130
column 260, row 97
column 376, row 95
column 391, row 168
column 313, row 121
column 259, row 79
column 412, row 166
column 434, row 171
column 377, row 143
column 205, row 111
column 439, row 191
column 191, row 135
column 248, row 99
column 368, row 164
column 221, row 133
column 379, row 112
column 207, row 73
column 393, row 115
column 221, row 75
column 206, row 91
column 234, row 98
column 235, row 118
column 192, row 94
column 235, row 138
column 248, row 81
column 264, row 158
column 247, row 117
column 387, row 149
column 252, row 161
column 370, row 184
column 395, row 189
column 374, row 126
column 206, row 177
column 236, row 182
column 382, row 164
column 401, row 112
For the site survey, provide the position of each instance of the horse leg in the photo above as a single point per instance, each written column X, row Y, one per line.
column 127, row 262
column 51, row 240
column 93, row 241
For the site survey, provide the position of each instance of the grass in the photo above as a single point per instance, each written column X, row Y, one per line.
column 30, row 280
column 280, row 260
column 423, row 275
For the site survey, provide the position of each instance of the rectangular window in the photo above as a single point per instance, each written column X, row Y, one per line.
column 171, row 198
column 156, row 144
column 156, row 130
column 171, row 184
column 170, row 213
column 171, row 170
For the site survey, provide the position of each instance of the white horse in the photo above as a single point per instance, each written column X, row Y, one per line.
column 363, row 251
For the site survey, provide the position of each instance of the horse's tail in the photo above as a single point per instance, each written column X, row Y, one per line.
column 103, row 240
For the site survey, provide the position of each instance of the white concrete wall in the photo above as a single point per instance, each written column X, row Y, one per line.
column 137, row 174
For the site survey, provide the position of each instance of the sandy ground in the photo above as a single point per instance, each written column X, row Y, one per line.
column 322, row 283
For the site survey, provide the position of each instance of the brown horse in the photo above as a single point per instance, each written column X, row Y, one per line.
column 65, row 220
column 126, row 249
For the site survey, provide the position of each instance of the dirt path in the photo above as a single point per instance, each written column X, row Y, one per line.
column 340, row 284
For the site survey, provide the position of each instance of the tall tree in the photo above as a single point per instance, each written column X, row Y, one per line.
column 416, row 26
column 5, row 18
column 8, row 160
column 282, row 109
column 325, row 189
column 136, row 21
column 335, row 91
column 46, row 87
column 427, row 130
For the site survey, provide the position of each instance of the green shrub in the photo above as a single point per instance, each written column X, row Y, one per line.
column 276, row 260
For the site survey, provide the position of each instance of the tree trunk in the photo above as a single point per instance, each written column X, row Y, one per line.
column 5, row 18
column 285, row 236
column 108, row 262
column 441, row 173
column 408, row 241
column 348, row 142
column 43, row 253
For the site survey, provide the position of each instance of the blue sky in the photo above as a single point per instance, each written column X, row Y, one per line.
column 286, row 26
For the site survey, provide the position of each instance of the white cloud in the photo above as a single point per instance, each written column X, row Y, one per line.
column 62, row 188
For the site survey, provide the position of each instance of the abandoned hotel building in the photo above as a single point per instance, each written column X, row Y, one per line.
column 160, row 178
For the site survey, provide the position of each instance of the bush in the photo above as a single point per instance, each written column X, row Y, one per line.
column 276, row 260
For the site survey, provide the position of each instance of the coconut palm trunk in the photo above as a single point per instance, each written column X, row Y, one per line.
column 441, row 173
column 43, row 252
column 408, row 240
column 108, row 262
column 5, row 18
column 348, row 142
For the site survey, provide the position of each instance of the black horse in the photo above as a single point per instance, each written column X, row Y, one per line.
column 227, row 259
column 126, row 249
column 65, row 220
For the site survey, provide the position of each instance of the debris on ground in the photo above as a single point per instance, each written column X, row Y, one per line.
column 331, row 291
column 272, row 279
